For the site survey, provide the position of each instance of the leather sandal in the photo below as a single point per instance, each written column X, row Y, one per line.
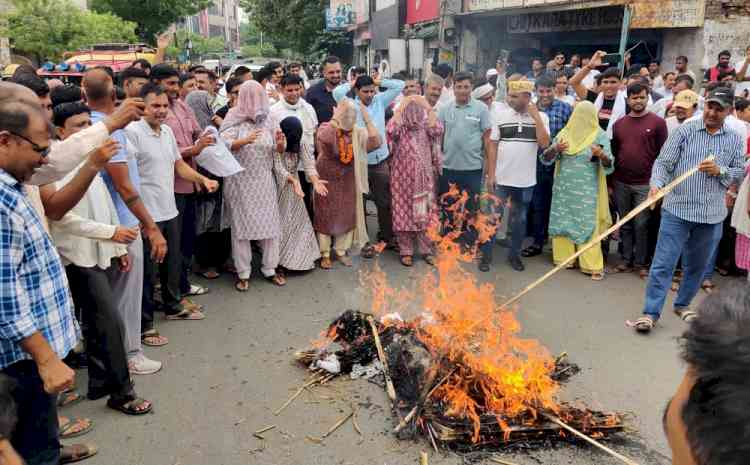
column 77, row 452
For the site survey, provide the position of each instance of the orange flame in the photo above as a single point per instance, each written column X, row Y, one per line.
column 497, row 372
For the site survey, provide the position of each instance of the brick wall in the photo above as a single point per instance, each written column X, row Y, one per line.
column 723, row 9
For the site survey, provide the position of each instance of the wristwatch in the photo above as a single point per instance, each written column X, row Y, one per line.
column 722, row 171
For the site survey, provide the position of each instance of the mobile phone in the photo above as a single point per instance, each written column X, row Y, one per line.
column 611, row 58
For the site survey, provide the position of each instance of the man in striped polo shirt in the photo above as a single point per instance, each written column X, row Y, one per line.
column 693, row 213
column 518, row 132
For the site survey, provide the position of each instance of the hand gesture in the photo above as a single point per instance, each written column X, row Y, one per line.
column 204, row 141
column 158, row 244
column 272, row 94
column 561, row 146
column 532, row 110
column 296, row 186
column 253, row 136
column 125, row 263
column 210, row 185
column 596, row 59
column 597, row 151
column 124, row 235
column 130, row 110
column 709, row 167
column 280, row 140
column 320, row 187
column 102, row 154
column 216, row 120
column 164, row 40
column 56, row 375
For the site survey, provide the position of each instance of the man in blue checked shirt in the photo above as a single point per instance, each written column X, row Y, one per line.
column 692, row 214
column 37, row 327
column 379, row 173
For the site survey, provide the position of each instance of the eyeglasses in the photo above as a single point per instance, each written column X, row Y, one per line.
column 42, row 151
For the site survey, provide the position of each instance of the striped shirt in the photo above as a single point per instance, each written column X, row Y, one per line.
column 517, row 147
column 700, row 198
column 34, row 294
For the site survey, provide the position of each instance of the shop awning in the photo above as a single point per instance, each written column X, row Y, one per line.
column 542, row 8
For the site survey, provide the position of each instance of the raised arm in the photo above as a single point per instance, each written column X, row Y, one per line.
column 393, row 88
column 341, row 91
column 576, row 82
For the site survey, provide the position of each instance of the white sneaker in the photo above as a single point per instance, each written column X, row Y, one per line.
column 141, row 365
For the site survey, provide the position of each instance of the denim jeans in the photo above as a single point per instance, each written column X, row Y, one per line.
column 36, row 434
column 541, row 203
column 515, row 201
column 696, row 242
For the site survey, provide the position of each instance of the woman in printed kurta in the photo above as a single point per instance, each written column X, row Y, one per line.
column 251, row 206
column 414, row 134
column 580, row 206
column 299, row 247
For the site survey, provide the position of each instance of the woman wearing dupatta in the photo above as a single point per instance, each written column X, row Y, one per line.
column 580, row 206
column 251, row 206
column 342, row 161
column 415, row 135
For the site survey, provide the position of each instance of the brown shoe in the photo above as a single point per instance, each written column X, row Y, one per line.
column 345, row 260
column 325, row 263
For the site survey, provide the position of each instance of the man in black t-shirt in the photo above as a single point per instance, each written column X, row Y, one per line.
column 609, row 85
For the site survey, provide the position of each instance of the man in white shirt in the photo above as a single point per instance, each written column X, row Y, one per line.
column 92, row 246
column 158, row 159
column 685, row 105
column 518, row 133
column 292, row 104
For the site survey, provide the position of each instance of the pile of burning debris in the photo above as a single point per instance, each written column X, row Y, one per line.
column 420, row 385
column 459, row 373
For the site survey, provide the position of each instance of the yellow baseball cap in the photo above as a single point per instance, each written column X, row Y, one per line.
column 686, row 99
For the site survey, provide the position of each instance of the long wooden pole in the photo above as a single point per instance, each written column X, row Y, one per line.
column 577, row 433
column 595, row 241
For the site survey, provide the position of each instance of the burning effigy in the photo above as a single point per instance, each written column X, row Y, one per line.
column 459, row 373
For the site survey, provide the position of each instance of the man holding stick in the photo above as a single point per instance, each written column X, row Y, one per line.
column 693, row 213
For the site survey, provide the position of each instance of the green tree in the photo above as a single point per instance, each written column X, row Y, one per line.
column 308, row 33
column 151, row 16
column 45, row 29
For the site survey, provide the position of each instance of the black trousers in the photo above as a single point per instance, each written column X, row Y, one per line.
column 307, row 188
column 36, row 435
column 212, row 249
column 379, row 177
column 169, row 274
column 186, row 208
column 104, row 331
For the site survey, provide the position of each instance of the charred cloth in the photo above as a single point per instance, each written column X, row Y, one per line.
column 425, row 384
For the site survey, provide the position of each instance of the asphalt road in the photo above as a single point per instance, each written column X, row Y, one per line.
column 224, row 376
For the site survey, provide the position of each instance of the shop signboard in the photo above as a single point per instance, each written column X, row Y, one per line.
column 647, row 14
column 566, row 21
column 418, row 11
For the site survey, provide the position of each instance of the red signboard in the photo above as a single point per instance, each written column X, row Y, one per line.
column 422, row 10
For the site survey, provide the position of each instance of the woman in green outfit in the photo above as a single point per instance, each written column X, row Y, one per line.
column 580, row 205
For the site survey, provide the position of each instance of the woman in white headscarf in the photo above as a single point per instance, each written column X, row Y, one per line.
column 251, row 206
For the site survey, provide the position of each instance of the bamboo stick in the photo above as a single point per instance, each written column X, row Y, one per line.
column 594, row 443
column 296, row 394
column 381, row 355
column 337, row 425
column 501, row 461
column 402, row 424
column 646, row 204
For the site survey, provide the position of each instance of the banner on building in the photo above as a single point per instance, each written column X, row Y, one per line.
column 418, row 11
column 361, row 11
column 653, row 14
column 340, row 15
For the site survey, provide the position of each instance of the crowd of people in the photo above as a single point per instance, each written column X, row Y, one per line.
column 107, row 211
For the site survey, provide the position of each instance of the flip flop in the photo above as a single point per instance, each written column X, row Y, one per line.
column 242, row 285
column 187, row 314
column 276, row 279
column 129, row 406
column 196, row 289
column 68, row 398
column 77, row 452
column 209, row 274
column 152, row 338
column 643, row 324
column 72, row 423
column 407, row 260
column 686, row 314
